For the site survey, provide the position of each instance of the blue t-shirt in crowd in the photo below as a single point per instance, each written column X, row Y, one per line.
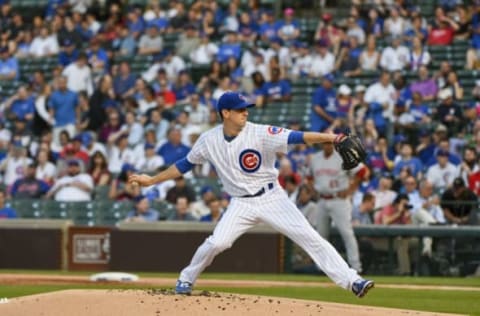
column 100, row 54
column 122, row 85
column 228, row 50
column 9, row 65
column 66, row 59
column 268, row 30
column 8, row 212
column 171, row 153
column 64, row 104
column 414, row 164
column 419, row 111
column 326, row 100
column 23, row 107
column 276, row 90
column 183, row 92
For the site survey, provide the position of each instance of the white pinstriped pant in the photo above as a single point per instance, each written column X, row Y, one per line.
column 273, row 208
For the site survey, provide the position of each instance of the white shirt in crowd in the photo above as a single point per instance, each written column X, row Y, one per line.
column 71, row 193
column 440, row 177
column 394, row 59
column 198, row 115
column 377, row 92
column 302, row 64
column 14, row 169
column 41, row 46
column 116, row 159
column 149, row 164
column 322, row 66
column 204, row 54
column 172, row 69
column 79, row 78
column 47, row 171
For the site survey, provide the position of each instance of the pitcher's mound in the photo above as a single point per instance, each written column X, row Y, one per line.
column 163, row 302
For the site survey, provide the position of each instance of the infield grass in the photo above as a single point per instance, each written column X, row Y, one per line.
column 451, row 301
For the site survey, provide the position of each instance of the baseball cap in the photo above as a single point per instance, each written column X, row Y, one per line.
column 441, row 128
column 233, row 101
column 73, row 162
column 326, row 17
column 149, row 146
column 128, row 167
column 443, row 153
column 289, row 11
column 67, row 42
column 458, row 183
column 205, row 189
column 329, row 77
column 360, row 88
column 444, row 94
column 138, row 198
column 322, row 43
column 344, row 90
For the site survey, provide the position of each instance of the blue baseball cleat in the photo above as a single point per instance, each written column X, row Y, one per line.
column 184, row 288
column 361, row 287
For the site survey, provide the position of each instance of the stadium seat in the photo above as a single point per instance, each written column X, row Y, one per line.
column 83, row 213
column 26, row 208
column 54, row 209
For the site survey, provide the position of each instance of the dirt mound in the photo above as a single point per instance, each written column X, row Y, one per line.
column 163, row 302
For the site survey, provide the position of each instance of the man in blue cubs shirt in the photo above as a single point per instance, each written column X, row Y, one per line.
column 6, row 212
column 323, row 105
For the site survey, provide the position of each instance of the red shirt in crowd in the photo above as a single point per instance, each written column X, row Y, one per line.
column 441, row 36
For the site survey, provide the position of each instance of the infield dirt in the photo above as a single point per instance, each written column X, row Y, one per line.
column 150, row 302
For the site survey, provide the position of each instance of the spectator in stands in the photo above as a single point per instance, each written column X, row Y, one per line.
column 149, row 162
column 68, row 53
column 419, row 55
column 29, row 187
column 459, row 204
column 200, row 209
column 469, row 164
column 288, row 29
column 189, row 41
column 98, row 169
column 142, row 211
column 124, row 44
column 395, row 56
column 62, row 104
column 362, row 214
column 9, row 68
column 111, row 126
column 178, row 16
column 74, row 186
column 97, row 58
column 215, row 211
column 181, row 188
column 5, row 211
column 20, row 106
column 377, row 158
column 120, row 189
column 370, row 57
column 348, row 61
column 425, row 86
column 323, row 105
column 454, row 85
column 151, row 42
column 158, row 124
column 204, row 51
column 172, row 64
column 399, row 213
column 384, row 94
column 136, row 24
column 173, row 149
column 395, row 24
column 407, row 160
column 132, row 129
column 443, row 32
column 198, row 112
column 416, row 29
column 323, row 61
column 268, row 27
column 15, row 164
column 430, row 202
column 45, row 44
column 118, row 152
column 183, row 88
column 46, row 170
column 420, row 112
column 229, row 48
column 276, row 90
column 182, row 210
column 448, row 112
column 69, row 32
column 124, row 81
column 442, row 173
column 303, row 62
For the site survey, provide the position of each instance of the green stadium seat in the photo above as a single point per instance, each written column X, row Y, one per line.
column 26, row 208
column 83, row 213
column 54, row 209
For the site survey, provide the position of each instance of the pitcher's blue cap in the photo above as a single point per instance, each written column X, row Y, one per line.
column 233, row 101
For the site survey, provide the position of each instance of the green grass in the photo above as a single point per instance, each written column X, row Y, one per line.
column 452, row 301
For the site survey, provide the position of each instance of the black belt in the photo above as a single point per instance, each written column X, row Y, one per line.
column 259, row 193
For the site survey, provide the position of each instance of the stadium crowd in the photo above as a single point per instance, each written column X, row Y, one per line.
column 93, row 120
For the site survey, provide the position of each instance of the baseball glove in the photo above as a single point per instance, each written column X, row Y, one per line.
column 350, row 149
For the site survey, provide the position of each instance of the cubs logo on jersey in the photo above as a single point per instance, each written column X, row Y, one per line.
column 273, row 130
column 250, row 160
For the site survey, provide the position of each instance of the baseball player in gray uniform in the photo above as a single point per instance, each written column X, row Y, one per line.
column 335, row 186
column 244, row 155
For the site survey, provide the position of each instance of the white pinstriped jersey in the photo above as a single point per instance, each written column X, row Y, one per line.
column 246, row 164
column 329, row 177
